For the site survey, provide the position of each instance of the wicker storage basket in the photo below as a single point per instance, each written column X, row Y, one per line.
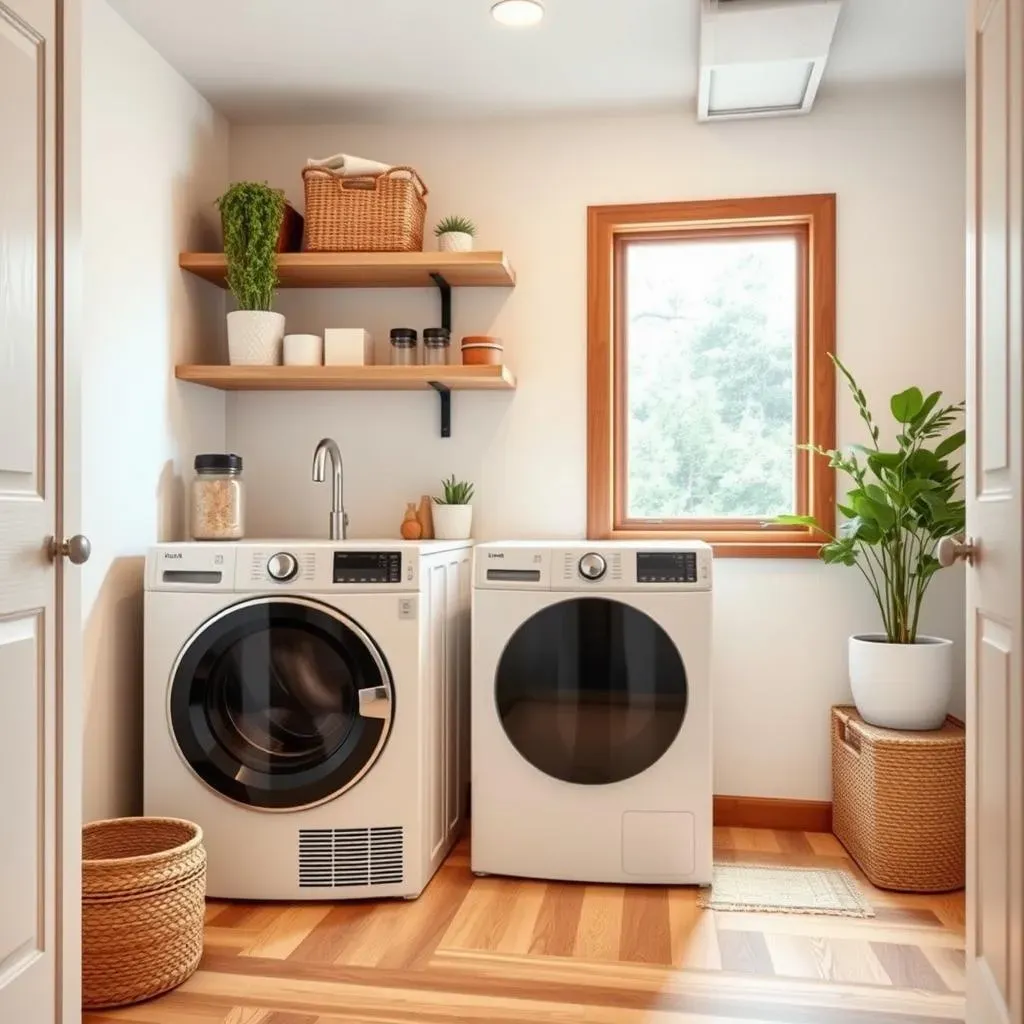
column 380, row 214
column 898, row 802
column 143, row 893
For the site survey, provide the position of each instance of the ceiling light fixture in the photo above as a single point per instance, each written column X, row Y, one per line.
column 517, row 13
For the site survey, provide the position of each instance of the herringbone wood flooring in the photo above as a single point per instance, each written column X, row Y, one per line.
column 504, row 951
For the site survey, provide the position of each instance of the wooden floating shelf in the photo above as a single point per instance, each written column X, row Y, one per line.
column 370, row 269
column 349, row 378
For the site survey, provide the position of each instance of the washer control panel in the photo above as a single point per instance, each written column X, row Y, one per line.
column 367, row 567
column 666, row 567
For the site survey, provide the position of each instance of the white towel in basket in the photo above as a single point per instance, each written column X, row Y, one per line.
column 350, row 166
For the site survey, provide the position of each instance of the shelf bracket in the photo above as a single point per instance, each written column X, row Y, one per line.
column 445, row 394
column 446, row 299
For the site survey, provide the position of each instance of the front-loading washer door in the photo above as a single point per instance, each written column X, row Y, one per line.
column 280, row 703
column 591, row 691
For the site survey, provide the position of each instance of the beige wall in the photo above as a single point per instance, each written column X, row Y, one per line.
column 155, row 156
column 896, row 160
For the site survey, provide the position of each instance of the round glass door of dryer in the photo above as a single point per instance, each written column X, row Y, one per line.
column 591, row 691
column 281, row 703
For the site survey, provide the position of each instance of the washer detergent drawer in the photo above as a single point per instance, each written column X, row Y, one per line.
column 657, row 844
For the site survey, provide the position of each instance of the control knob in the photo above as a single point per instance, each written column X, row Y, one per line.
column 282, row 567
column 592, row 566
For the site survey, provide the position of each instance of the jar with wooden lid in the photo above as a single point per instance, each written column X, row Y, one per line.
column 218, row 498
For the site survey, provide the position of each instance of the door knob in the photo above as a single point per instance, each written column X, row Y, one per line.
column 75, row 549
column 949, row 549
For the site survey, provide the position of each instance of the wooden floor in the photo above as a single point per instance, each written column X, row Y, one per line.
column 521, row 952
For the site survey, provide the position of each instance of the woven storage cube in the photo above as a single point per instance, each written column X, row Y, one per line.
column 143, row 898
column 898, row 802
column 384, row 213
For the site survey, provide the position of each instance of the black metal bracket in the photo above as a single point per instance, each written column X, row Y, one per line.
column 446, row 299
column 445, row 394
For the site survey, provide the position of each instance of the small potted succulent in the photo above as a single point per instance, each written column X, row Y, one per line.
column 455, row 234
column 903, row 502
column 251, row 215
column 453, row 514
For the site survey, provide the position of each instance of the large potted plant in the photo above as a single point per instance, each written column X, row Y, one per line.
column 901, row 503
column 251, row 215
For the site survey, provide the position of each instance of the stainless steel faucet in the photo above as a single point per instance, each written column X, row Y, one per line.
column 339, row 517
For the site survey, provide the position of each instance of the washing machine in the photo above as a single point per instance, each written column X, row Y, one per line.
column 306, row 703
column 591, row 711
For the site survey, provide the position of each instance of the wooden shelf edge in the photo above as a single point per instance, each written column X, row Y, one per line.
column 348, row 378
column 486, row 269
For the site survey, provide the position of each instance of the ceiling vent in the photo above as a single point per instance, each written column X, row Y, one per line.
column 762, row 58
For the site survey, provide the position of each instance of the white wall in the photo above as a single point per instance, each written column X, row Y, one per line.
column 896, row 161
column 154, row 157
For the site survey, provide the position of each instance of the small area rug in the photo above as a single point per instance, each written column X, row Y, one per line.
column 784, row 890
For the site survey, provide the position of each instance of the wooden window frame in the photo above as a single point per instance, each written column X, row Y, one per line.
column 811, row 219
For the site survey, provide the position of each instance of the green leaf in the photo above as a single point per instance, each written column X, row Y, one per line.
column 875, row 493
column 907, row 404
column 875, row 512
column 847, row 511
column 891, row 460
column 916, row 485
column 924, row 462
column 792, row 520
column 929, row 403
column 951, row 444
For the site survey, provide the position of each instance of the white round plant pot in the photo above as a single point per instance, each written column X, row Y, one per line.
column 255, row 337
column 901, row 686
column 453, row 522
column 455, row 241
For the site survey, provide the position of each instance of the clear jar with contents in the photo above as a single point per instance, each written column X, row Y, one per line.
column 404, row 347
column 218, row 498
column 436, row 344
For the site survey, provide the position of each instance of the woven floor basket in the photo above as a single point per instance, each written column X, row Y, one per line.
column 898, row 802
column 143, row 893
column 379, row 214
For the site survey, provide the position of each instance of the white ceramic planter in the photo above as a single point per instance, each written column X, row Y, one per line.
column 901, row 686
column 255, row 337
column 455, row 241
column 453, row 522
column 303, row 350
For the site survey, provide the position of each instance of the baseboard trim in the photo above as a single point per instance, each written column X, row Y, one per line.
column 768, row 812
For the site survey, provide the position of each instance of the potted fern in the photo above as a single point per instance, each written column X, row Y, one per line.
column 902, row 502
column 251, row 216
column 455, row 234
column 453, row 513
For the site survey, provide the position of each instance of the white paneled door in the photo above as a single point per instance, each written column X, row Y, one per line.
column 995, row 702
column 31, row 805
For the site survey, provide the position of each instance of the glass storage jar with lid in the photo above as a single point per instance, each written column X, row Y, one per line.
column 436, row 342
column 218, row 498
column 404, row 347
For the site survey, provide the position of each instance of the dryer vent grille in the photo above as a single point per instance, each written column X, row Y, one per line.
column 334, row 857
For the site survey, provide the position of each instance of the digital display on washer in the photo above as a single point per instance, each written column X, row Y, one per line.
column 367, row 567
column 666, row 567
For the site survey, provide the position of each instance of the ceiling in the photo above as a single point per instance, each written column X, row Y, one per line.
column 334, row 60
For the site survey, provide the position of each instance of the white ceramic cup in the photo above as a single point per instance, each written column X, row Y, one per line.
column 303, row 350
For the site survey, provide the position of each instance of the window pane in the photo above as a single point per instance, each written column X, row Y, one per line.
column 711, row 360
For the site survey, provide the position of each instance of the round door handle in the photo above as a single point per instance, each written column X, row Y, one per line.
column 76, row 549
column 949, row 549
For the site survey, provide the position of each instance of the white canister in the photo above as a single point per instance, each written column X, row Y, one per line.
column 303, row 350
